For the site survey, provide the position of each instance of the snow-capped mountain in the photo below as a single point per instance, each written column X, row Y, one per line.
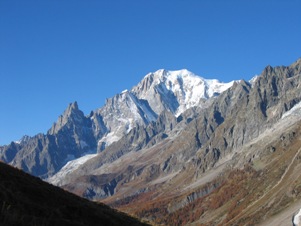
column 119, row 115
column 235, row 162
column 176, row 143
column 177, row 91
column 75, row 134
column 173, row 91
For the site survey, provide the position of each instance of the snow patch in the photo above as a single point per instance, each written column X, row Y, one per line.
column 109, row 138
column 297, row 219
column 253, row 80
column 296, row 110
column 68, row 168
column 148, row 114
column 24, row 139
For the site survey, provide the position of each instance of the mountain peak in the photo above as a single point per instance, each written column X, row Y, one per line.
column 71, row 109
column 163, row 73
column 167, row 76
column 176, row 90
column 23, row 140
column 297, row 65
column 73, row 105
column 72, row 113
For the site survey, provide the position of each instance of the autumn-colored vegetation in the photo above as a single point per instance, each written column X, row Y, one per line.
column 230, row 191
column 241, row 196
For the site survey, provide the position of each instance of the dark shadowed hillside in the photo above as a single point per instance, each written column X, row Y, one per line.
column 26, row 200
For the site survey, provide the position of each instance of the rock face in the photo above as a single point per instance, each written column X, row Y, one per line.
column 244, row 111
column 43, row 155
column 75, row 135
column 202, row 135
column 177, row 91
column 177, row 155
column 74, row 131
column 120, row 114
column 173, row 135
column 173, row 91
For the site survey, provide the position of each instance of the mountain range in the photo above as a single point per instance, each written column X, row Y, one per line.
column 75, row 135
column 178, row 149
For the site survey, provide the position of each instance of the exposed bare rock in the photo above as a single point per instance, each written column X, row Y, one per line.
column 164, row 147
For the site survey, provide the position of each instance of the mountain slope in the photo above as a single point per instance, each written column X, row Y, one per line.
column 258, row 183
column 173, row 91
column 179, row 149
column 189, row 157
column 26, row 200
column 211, row 133
column 43, row 155
column 75, row 135
column 177, row 91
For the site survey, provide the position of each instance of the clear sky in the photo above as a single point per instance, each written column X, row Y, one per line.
column 54, row 52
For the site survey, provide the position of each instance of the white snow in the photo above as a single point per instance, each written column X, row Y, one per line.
column 129, row 126
column 296, row 110
column 253, row 80
column 23, row 139
column 126, row 109
column 68, row 168
column 297, row 219
column 109, row 138
column 187, row 87
column 215, row 86
column 148, row 115
column 133, row 107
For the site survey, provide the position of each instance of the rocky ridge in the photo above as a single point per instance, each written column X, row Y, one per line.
column 75, row 135
column 187, row 157
column 166, row 160
column 208, row 135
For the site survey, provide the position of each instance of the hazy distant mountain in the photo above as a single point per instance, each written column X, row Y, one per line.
column 178, row 149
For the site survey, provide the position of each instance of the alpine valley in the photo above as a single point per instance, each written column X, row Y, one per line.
column 178, row 149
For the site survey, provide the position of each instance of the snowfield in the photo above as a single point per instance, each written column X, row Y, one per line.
column 68, row 168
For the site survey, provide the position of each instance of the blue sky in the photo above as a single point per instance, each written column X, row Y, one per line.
column 55, row 52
